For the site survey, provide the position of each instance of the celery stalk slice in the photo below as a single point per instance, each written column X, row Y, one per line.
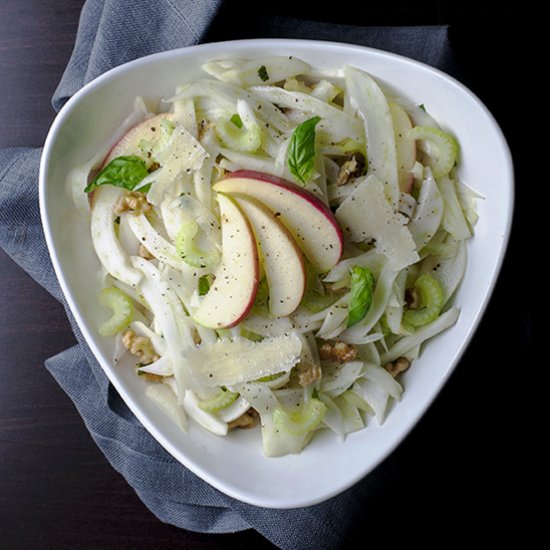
column 122, row 308
column 431, row 302
column 300, row 422
column 189, row 252
column 219, row 401
column 446, row 145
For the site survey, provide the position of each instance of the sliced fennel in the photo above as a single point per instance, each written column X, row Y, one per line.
column 165, row 398
column 369, row 100
column 106, row 245
column 338, row 378
column 162, row 367
column 448, row 271
column 153, row 241
column 336, row 124
column 407, row 343
column 352, row 420
column 247, row 73
column 207, row 420
column 234, row 410
column 374, row 396
column 381, row 377
column 169, row 314
column 428, row 214
column 454, row 220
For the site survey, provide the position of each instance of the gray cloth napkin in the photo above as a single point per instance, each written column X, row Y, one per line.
column 112, row 32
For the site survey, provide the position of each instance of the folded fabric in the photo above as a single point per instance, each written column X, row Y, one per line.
column 112, row 32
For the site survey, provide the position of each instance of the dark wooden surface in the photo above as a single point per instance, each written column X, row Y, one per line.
column 56, row 488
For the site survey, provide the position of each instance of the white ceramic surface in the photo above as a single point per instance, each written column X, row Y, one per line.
column 235, row 464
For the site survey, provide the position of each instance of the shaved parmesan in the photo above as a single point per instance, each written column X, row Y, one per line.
column 183, row 154
column 228, row 362
column 366, row 215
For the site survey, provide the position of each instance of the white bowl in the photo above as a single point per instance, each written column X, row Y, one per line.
column 235, row 464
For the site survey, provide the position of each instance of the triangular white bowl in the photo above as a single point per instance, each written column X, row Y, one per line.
column 235, row 464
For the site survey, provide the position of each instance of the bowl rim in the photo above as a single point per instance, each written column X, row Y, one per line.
column 264, row 43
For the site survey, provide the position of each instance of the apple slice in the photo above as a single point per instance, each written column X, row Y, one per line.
column 232, row 294
column 309, row 220
column 282, row 261
column 405, row 147
column 148, row 130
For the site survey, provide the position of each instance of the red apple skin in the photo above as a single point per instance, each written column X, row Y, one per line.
column 312, row 199
column 256, row 262
column 248, row 307
column 123, row 146
column 301, row 284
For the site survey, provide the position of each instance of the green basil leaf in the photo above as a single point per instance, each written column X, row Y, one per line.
column 204, row 285
column 236, row 120
column 262, row 73
column 362, row 284
column 125, row 172
column 301, row 150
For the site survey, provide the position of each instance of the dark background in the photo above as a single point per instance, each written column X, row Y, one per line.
column 455, row 471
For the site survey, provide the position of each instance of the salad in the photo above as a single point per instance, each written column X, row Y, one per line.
column 277, row 242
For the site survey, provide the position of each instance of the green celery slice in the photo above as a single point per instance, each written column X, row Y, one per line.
column 122, row 308
column 300, row 422
column 219, row 401
column 431, row 302
column 447, row 148
column 187, row 250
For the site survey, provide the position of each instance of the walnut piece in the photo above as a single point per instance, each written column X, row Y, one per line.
column 398, row 366
column 412, row 298
column 134, row 202
column 245, row 421
column 335, row 350
column 140, row 346
column 352, row 168
column 308, row 373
